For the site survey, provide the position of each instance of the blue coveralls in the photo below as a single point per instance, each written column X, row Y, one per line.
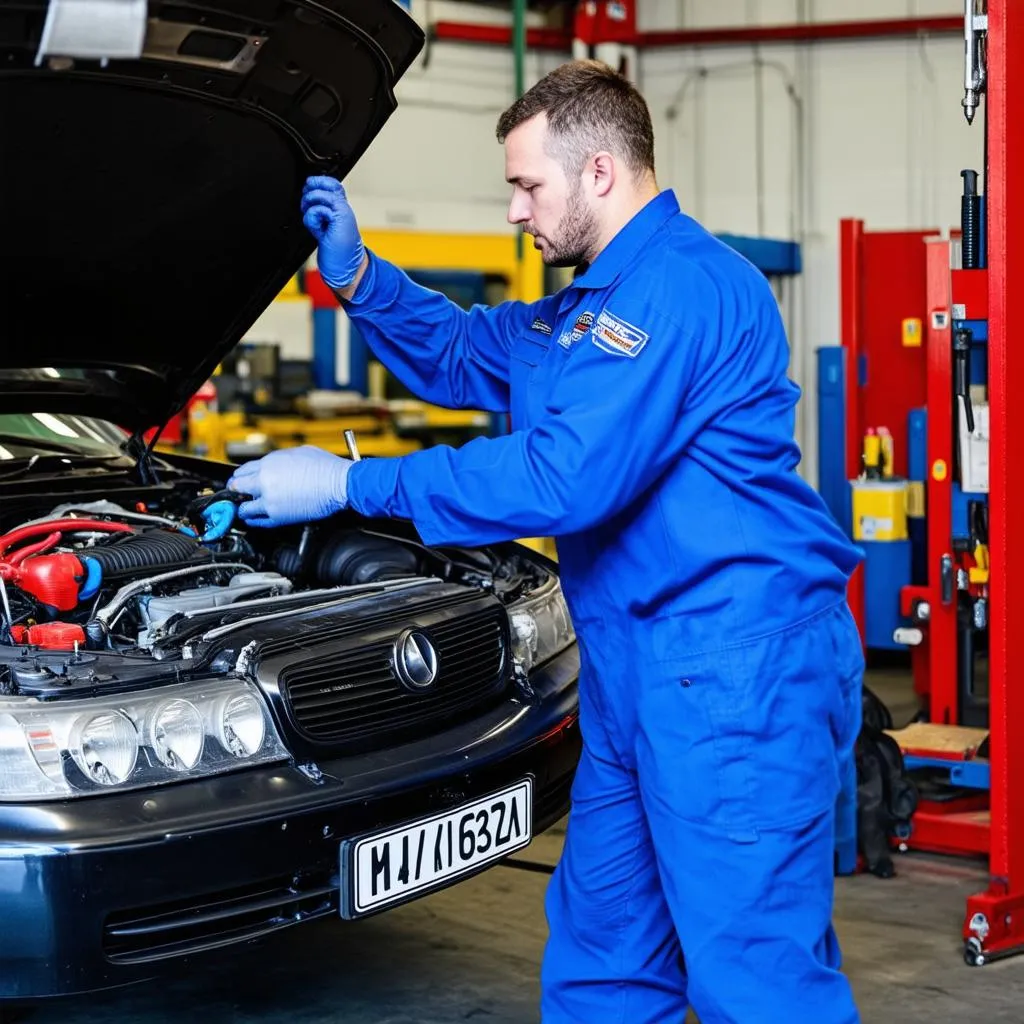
column 652, row 436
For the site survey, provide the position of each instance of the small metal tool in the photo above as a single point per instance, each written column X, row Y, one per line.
column 307, row 530
column 353, row 448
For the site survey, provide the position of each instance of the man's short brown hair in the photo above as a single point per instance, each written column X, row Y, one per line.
column 589, row 108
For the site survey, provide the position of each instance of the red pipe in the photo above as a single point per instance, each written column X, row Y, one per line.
column 65, row 525
column 561, row 39
column 888, row 28
column 21, row 554
column 498, row 35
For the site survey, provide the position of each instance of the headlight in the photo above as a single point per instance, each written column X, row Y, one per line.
column 178, row 735
column 240, row 725
column 105, row 746
column 541, row 627
column 61, row 749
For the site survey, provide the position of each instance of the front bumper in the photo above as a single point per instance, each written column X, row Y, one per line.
column 102, row 892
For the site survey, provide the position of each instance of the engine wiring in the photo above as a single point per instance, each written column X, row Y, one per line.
column 96, row 594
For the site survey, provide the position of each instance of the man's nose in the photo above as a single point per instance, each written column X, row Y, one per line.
column 517, row 210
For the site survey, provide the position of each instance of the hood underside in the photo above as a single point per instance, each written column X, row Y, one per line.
column 151, row 205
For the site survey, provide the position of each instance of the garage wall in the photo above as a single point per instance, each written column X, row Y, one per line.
column 868, row 129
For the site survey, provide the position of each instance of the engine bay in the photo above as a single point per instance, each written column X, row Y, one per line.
column 101, row 595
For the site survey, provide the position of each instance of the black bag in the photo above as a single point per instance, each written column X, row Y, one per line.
column 886, row 797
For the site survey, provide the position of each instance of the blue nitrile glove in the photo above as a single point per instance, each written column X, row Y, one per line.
column 217, row 518
column 292, row 485
column 212, row 514
column 325, row 211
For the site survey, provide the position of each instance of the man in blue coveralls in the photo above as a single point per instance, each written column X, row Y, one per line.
column 652, row 435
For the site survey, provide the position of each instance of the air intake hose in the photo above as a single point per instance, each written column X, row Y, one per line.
column 154, row 549
column 355, row 559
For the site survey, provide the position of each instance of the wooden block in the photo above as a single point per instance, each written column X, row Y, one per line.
column 953, row 741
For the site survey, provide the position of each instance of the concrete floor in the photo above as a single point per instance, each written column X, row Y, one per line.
column 472, row 954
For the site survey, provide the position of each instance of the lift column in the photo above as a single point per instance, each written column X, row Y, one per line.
column 994, row 923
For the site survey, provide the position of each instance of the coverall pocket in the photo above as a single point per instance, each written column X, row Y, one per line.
column 526, row 355
column 757, row 729
column 529, row 350
column 793, row 697
column 693, row 745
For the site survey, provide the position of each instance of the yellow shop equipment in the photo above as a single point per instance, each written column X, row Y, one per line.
column 880, row 510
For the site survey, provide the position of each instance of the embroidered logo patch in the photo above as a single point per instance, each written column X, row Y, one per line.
column 614, row 335
column 583, row 322
column 541, row 325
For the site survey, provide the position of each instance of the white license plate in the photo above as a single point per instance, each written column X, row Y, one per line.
column 418, row 857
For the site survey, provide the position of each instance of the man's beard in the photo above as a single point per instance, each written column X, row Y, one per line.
column 575, row 238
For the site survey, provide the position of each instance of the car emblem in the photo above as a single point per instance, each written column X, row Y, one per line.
column 415, row 661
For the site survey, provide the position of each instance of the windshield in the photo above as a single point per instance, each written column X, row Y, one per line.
column 24, row 434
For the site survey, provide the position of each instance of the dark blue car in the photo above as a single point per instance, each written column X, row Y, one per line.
column 205, row 742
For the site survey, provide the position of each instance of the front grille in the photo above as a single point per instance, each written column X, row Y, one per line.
column 148, row 934
column 353, row 696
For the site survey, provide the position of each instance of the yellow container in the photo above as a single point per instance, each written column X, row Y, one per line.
column 879, row 510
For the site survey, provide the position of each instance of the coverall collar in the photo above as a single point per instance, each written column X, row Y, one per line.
column 621, row 251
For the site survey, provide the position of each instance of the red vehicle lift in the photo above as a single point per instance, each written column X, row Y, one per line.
column 888, row 377
column 991, row 823
column 994, row 924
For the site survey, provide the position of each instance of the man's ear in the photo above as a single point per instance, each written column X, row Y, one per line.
column 601, row 170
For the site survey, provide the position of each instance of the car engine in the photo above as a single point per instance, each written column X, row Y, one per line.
column 103, row 596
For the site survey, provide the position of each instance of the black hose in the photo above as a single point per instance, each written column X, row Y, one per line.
column 353, row 559
column 288, row 561
column 154, row 549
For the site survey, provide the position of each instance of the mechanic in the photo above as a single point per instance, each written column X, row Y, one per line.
column 652, row 436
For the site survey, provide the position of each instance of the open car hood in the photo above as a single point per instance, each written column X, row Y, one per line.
column 151, row 204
